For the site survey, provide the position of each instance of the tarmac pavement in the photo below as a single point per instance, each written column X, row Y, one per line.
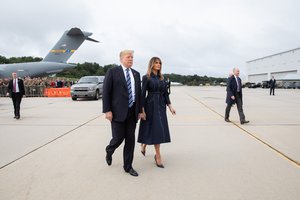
column 56, row 150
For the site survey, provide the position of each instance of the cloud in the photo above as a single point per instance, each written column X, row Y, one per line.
column 191, row 37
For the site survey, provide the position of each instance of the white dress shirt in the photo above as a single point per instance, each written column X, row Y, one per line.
column 131, row 80
column 237, row 83
column 15, row 81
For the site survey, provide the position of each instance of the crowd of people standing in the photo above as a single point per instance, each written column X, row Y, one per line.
column 34, row 87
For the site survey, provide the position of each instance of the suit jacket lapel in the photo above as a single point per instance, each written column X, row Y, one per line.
column 136, row 81
column 135, row 78
column 240, row 83
column 121, row 75
column 235, row 82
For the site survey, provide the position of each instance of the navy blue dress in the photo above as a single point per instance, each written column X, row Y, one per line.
column 155, row 129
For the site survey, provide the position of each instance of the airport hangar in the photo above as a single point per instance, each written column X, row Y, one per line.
column 283, row 66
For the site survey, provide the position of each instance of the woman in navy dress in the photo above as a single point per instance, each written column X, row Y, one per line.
column 154, row 128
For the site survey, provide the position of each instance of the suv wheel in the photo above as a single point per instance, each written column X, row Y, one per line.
column 74, row 98
column 97, row 95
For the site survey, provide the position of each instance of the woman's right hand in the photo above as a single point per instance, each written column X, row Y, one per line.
column 143, row 116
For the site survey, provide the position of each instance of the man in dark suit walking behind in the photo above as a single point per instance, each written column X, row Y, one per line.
column 272, row 83
column 16, row 91
column 234, row 95
column 121, row 105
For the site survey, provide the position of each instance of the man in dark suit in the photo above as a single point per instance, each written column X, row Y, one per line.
column 272, row 83
column 16, row 91
column 234, row 95
column 121, row 105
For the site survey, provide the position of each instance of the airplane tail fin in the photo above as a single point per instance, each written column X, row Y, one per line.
column 67, row 45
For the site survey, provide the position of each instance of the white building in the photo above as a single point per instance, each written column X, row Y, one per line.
column 281, row 65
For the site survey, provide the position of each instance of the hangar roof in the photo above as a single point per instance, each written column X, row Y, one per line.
column 273, row 55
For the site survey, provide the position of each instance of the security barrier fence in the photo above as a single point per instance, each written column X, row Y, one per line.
column 39, row 91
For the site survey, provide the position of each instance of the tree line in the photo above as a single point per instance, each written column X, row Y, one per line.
column 88, row 69
column 195, row 80
column 4, row 60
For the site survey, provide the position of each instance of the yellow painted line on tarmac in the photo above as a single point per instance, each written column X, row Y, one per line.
column 193, row 117
column 278, row 152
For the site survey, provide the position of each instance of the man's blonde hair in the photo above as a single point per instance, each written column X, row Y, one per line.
column 126, row 52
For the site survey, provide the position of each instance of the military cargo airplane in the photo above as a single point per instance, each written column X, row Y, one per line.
column 55, row 60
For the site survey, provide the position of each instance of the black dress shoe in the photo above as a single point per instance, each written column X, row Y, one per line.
column 17, row 117
column 227, row 120
column 244, row 122
column 132, row 172
column 108, row 159
column 161, row 165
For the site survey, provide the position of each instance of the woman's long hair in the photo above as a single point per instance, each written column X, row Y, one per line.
column 150, row 67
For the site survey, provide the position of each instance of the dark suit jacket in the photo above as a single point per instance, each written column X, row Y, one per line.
column 115, row 93
column 20, row 84
column 232, row 89
column 272, row 83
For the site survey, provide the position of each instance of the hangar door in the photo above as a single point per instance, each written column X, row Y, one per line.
column 280, row 75
column 257, row 78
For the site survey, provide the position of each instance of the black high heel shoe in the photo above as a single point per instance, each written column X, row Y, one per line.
column 161, row 165
column 143, row 152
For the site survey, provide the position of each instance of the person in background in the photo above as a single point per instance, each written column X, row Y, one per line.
column 234, row 95
column 59, row 83
column 16, row 91
column 169, row 86
column 272, row 83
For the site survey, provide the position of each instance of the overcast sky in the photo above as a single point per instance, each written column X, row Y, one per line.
column 204, row 37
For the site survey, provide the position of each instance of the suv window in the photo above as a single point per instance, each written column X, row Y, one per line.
column 88, row 80
column 101, row 79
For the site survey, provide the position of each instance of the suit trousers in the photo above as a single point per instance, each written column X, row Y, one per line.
column 16, row 98
column 272, row 89
column 124, row 130
column 239, row 105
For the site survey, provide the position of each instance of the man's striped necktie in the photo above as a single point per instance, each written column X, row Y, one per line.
column 130, row 99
